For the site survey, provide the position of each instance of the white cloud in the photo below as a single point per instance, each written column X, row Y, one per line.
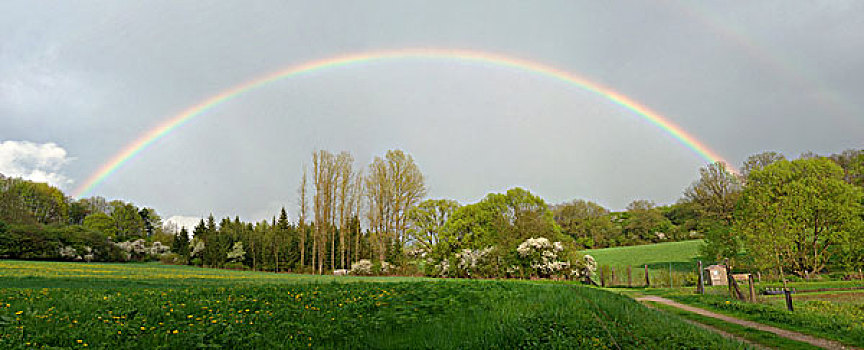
column 188, row 222
column 40, row 162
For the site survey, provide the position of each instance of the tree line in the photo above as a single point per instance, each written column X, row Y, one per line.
column 802, row 215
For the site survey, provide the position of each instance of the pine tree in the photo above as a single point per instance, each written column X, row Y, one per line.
column 181, row 243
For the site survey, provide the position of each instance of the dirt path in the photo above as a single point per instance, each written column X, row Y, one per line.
column 822, row 343
column 718, row 331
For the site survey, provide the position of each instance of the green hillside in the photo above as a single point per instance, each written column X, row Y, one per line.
column 682, row 255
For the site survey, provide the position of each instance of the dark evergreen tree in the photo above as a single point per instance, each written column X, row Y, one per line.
column 181, row 243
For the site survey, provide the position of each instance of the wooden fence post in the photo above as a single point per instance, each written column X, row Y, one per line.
column 602, row 276
column 700, row 287
column 612, row 278
column 647, row 280
column 670, row 275
column 629, row 276
column 733, row 285
column 752, row 289
column 788, row 295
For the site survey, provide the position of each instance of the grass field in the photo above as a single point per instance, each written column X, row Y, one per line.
column 759, row 337
column 69, row 305
column 682, row 255
column 832, row 315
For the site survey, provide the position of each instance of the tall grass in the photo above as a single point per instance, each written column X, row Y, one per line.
column 149, row 311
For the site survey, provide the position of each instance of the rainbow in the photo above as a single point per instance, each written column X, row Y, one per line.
column 801, row 76
column 173, row 123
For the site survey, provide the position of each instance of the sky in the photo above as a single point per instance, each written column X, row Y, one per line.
column 79, row 81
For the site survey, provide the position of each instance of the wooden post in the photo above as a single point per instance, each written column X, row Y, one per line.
column 729, row 278
column 733, row 285
column 752, row 289
column 860, row 275
column 700, row 287
column 670, row 275
column 788, row 295
column 630, row 276
column 647, row 280
column 602, row 276
column 612, row 278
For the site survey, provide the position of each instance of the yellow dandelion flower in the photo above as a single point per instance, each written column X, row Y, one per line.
column 175, row 331
column 143, row 328
column 79, row 341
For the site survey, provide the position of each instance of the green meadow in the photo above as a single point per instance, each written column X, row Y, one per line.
column 682, row 255
column 77, row 305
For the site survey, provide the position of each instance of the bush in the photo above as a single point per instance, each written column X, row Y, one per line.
column 235, row 265
column 362, row 268
column 383, row 268
column 539, row 257
column 72, row 242
column 172, row 259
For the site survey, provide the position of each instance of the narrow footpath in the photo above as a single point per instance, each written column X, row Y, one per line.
column 822, row 343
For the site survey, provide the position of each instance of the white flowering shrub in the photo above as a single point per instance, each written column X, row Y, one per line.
column 443, row 267
column 197, row 248
column 584, row 268
column 68, row 252
column 237, row 253
column 157, row 248
column 362, row 268
column 540, row 257
column 138, row 249
column 137, row 246
column 472, row 262
column 81, row 253
column 417, row 253
column 590, row 263
column 386, row 267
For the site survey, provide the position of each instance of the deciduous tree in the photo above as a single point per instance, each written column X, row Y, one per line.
column 427, row 220
column 587, row 222
column 794, row 213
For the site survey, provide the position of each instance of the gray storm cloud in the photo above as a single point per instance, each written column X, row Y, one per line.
column 742, row 79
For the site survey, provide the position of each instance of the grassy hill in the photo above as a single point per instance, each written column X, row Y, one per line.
column 682, row 255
